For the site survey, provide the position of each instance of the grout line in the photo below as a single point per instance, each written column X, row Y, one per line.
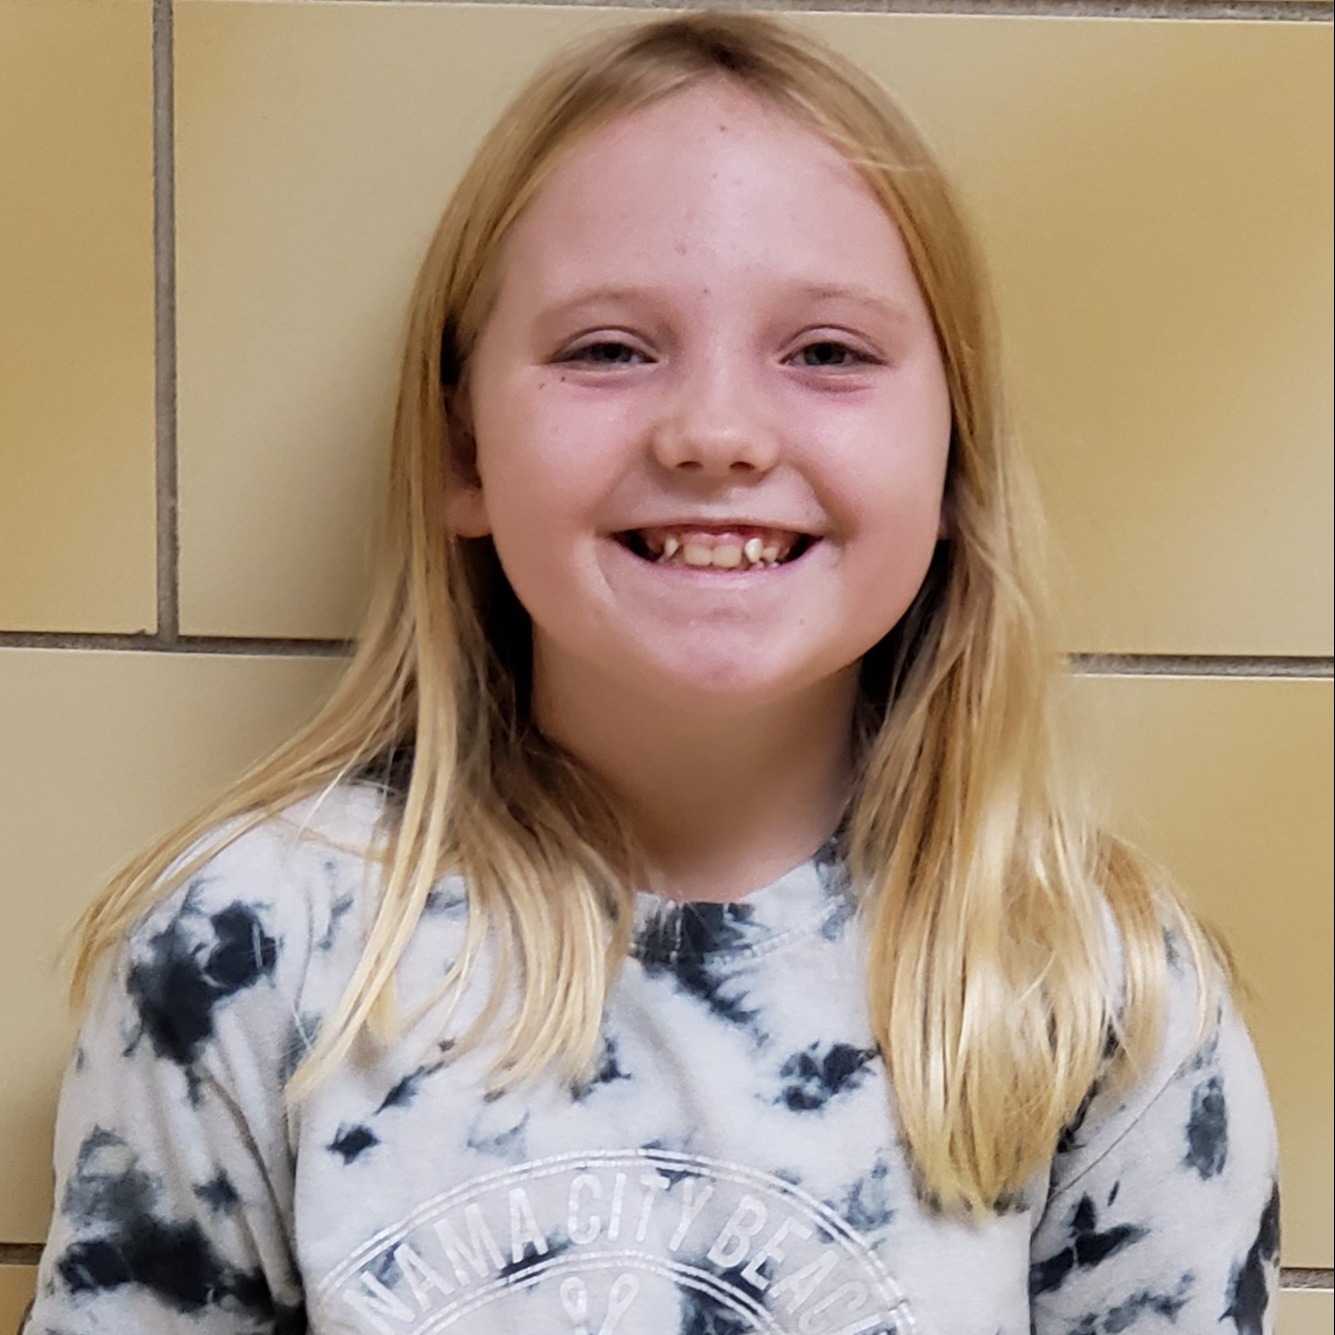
column 1306, row 1277
column 248, row 645
column 1202, row 665
column 164, row 315
column 1277, row 667
column 1283, row 11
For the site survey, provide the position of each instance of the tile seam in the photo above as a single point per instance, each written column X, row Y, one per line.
column 1307, row 1277
column 1285, row 666
column 1282, row 11
column 1280, row 667
column 221, row 645
column 167, row 533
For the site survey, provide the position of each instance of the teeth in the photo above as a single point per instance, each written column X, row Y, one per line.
column 726, row 556
column 702, row 553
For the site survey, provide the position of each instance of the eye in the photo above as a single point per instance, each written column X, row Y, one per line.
column 830, row 354
column 605, row 352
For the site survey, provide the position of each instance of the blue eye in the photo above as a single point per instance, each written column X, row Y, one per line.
column 605, row 353
column 828, row 353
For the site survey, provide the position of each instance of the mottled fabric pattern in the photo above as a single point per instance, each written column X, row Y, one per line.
column 731, row 1163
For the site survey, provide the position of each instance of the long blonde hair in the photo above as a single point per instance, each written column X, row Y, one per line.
column 982, row 888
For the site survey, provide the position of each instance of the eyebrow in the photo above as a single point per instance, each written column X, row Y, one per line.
column 592, row 297
column 893, row 311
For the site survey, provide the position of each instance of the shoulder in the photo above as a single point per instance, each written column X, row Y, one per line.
column 265, row 924
column 1183, row 1071
column 1162, row 1194
column 301, row 869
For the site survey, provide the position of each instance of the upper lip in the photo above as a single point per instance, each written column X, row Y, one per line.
column 715, row 524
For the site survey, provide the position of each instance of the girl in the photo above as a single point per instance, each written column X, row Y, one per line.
column 675, row 923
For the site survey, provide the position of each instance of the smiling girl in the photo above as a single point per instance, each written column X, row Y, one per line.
column 675, row 924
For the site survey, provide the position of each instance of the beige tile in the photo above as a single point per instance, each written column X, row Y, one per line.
column 1162, row 253
column 1171, row 357
column 316, row 147
column 1306, row 1312
column 1228, row 782
column 76, row 322
column 17, row 1283
column 101, row 751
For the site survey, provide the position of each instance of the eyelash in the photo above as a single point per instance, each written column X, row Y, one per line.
column 584, row 354
column 856, row 358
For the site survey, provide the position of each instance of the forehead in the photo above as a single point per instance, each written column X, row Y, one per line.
column 707, row 181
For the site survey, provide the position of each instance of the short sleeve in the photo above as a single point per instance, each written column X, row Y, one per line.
column 1163, row 1212
column 173, row 1170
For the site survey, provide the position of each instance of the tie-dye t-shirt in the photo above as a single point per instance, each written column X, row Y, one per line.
column 732, row 1165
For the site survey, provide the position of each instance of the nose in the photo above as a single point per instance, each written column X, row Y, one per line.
column 718, row 421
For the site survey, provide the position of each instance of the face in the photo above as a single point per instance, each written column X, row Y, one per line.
column 709, row 413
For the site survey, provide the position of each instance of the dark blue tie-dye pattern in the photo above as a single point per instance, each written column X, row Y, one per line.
column 192, row 966
column 126, row 1241
column 351, row 1142
column 1207, row 1129
column 1251, row 1283
column 1086, row 1247
column 731, row 1164
column 816, row 1075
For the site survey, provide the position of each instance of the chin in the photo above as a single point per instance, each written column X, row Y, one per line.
column 727, row 685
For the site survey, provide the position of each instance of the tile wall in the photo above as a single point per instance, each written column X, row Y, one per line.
column 214, row 211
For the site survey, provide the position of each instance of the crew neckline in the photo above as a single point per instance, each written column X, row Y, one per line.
column 812, row 897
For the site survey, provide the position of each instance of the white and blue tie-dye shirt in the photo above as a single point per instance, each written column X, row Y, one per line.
column 733, row 1164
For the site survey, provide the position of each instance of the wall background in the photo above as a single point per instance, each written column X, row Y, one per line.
column 213, row 212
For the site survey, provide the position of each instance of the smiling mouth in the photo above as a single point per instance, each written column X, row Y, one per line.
column 740, row 547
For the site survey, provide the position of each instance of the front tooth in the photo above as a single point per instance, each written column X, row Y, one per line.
column 697, row 554
column 770, row 553
column 728, row 556
column 670, row 548
column 753, row 549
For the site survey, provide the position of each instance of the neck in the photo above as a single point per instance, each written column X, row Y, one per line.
column 720, row 802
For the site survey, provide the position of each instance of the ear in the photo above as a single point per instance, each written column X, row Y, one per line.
column 465, row 506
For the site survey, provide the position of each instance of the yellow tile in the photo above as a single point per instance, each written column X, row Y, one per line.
column 1162, row 248
column 1228, row 782
column 316, row 147
column 101, row 751
column 17, row 1283
column 1306, row 1312
column 76, row 322
column 1162, row 253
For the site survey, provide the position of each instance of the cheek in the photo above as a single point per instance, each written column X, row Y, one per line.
column 549, row 461
column 888, row 486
